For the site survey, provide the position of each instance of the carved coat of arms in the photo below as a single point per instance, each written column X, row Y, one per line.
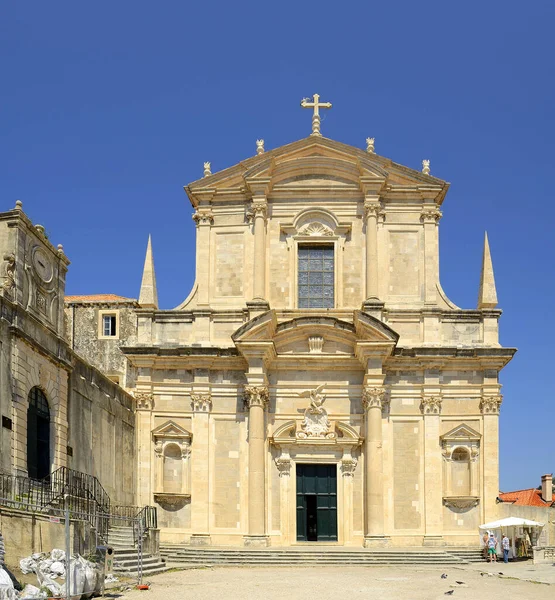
column 316, row 423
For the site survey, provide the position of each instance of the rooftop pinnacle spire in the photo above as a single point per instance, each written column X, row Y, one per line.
column 487, row 297
column 148, row 298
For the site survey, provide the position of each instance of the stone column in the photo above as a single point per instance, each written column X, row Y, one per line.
column 372, row 209
column 201, row 404
column 433, row 471
column 430, row 217
column 489, row 406
column 204, row 218
column 373, row 401
column 257, row 400
column 258, row 214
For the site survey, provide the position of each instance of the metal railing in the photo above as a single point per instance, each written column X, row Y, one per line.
column 147, row 515
column 79, row 485
column 81, row 494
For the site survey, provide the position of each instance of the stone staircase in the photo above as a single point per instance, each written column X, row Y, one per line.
column 224, row 556
column 125, row 555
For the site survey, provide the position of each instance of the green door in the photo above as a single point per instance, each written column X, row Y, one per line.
column 317, row 503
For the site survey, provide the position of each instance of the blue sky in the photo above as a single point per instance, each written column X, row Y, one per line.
column 109, row 108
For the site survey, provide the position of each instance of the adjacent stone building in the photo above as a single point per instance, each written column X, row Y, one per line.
column 57, row 410
column 316, row 385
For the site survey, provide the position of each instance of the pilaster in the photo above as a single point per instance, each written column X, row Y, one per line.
column 430, row 217
column 372, row 209
column 201, row 405
column 433, row 462
column 490, row 405
column 203, row 217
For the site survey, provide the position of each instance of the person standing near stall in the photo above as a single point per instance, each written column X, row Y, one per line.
column 492, row 544
column 505, row 544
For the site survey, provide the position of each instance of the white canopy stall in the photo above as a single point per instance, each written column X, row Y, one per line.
column 509, row 526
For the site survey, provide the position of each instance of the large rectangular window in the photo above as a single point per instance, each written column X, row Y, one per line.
column 316, row 276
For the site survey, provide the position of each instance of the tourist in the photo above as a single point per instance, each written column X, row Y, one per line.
column 492, row 543
column 505, row 545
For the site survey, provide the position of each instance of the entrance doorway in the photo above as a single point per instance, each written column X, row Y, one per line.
column 38, row 435
column 317, row 503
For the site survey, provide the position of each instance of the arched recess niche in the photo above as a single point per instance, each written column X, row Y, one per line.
column 172, row 469
column 461, row 473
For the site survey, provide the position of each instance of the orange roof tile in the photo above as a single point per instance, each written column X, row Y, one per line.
column 530, row 497
column 99, row 298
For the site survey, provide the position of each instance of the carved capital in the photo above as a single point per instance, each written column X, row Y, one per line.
column 203, row 216
column 431, row 405
column 284, row 466
column 348, row 466
column 144, row 400
column 372, row 208
column 256, row 396
column 258, row 208
column 201, row 402
column 430, row 215
column 373, row 397
column 490, row 405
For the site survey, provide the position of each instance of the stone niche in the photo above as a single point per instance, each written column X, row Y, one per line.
column 461, row 453
column 172, row 468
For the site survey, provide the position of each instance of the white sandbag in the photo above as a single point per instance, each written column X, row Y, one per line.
column 5, row 579
column 77, row 583
column 58, row 568
column 57, row 554
column 47, row 582
column 90, row 580
column 7, row 592
column 28, row 565
column 30, row 591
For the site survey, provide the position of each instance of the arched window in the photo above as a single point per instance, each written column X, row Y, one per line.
column 38, row 435
column 461, row 471
column 173, row 469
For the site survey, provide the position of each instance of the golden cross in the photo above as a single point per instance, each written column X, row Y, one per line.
column 315, row 104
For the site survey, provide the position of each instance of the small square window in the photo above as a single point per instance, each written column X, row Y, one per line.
column 109, row 325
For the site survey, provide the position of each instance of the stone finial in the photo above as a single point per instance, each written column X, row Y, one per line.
column 60, row 250
column 18, row 205
column 370, row 145
column 426, row 167
column 207, row 170
column 487, row 296
column 40, row 228
column 260, row 146
column 148, row 297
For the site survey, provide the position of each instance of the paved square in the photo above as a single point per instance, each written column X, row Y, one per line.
column 326, row 583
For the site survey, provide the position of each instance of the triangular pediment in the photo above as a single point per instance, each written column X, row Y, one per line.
column 461, row 433
column 315, row 162
column 170, row 429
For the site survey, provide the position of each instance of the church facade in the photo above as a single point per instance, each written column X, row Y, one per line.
column 316, row 385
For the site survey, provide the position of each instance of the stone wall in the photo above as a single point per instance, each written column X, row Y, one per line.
column 102, row 431
column 26, row 533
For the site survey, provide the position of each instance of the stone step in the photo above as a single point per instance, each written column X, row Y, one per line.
column 329, row 560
